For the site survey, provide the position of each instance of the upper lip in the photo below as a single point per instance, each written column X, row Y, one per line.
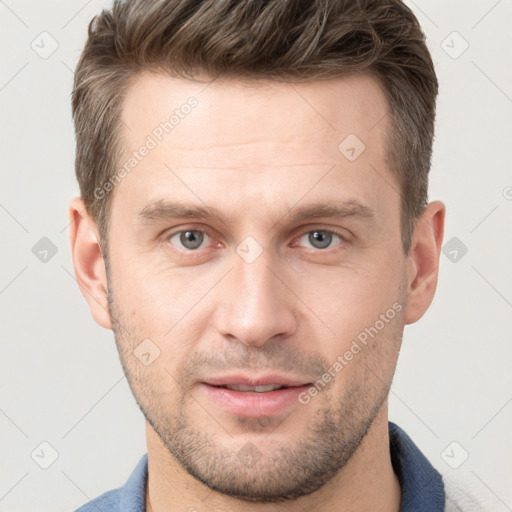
column 263, row 380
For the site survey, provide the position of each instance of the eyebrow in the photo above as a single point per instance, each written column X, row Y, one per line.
column 166, row 210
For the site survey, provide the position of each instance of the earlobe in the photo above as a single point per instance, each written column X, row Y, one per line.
column 88, row 261
column 423, row 261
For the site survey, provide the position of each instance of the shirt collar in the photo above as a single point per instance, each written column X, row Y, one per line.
column 133, row 493
column 422, row 485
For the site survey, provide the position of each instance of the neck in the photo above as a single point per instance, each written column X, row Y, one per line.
column 367, row 482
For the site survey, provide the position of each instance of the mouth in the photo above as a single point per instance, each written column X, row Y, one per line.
column 254, row 397
column 252, row 389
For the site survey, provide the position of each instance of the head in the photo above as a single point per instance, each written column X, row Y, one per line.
column 253, row 208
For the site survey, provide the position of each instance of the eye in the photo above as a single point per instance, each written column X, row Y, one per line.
column 321, row 238
column 194, row 239
column 189, row 239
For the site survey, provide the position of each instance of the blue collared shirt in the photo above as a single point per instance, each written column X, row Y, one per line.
column 421, row 484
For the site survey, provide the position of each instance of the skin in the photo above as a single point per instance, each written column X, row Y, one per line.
column 257, row 152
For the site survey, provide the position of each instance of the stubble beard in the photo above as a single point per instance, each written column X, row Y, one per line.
column 252, row 474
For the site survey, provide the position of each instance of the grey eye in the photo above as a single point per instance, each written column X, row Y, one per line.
column 190, row 239
column 320, row 239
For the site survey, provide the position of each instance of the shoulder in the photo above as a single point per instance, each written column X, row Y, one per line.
column 462, row 495
column 107, row 502
column 128, row 498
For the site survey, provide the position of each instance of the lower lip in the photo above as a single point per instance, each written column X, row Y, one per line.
column 253, row 405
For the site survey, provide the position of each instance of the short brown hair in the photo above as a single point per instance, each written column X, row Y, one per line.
column 285, row 40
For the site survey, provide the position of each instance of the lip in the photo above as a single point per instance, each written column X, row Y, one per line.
column 263, row 380
column 249, row 404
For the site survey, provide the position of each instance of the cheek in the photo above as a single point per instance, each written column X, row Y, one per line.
column 346, row 297
column 154, row 296
column 152, row 310
column 359, row 316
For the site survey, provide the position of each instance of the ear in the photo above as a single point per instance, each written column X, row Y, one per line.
column 423, row 261
column 88, row 261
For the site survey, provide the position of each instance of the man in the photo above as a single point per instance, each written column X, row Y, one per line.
column 254, row 228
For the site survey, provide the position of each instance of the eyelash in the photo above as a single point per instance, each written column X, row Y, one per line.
column 343, row 238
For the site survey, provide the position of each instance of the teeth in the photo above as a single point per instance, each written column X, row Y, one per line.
column 255, row 389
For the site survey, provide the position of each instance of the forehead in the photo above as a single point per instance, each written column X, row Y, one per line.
column 259, row 137
column 314, row 114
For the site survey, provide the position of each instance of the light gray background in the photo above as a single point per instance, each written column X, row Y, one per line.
column 61, row 381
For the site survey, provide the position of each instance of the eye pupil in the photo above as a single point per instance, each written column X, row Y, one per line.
column 191, row 239
column 320, row 239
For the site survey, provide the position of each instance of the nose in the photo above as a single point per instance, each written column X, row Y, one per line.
column 256, row 304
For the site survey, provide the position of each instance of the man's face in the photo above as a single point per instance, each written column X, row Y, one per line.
column 262, row 288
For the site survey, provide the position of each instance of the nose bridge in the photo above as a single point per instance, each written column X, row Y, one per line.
column 257, row 305
column 255, row 282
